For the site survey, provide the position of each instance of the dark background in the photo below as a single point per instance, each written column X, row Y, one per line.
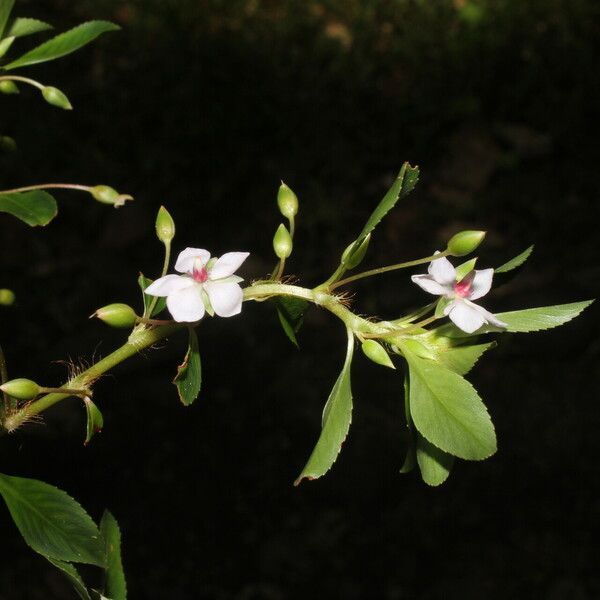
column 204, row 107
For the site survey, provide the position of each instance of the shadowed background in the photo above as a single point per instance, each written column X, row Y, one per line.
column 205, row 107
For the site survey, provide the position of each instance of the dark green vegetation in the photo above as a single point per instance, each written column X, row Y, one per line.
column 204, row 107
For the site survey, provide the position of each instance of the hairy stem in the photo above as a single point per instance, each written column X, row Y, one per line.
column 48, row 186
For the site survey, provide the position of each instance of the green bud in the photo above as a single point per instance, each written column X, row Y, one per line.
column 22, row 389
column 465, row 242
column 165, row 226
column 7, row 297
column 287, row 201
column 8, row 87
column 282, row 242
column 117, row 315
column 107, row 195
column 376, row 352
column 55, row 97
column 351, row 259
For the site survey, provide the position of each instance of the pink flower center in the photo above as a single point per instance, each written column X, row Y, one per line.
column 200, row 275
column 463, row 287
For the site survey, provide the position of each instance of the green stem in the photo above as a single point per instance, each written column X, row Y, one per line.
column 48, row 186
column 148, row 312
column 4, row 379
column 26, row 80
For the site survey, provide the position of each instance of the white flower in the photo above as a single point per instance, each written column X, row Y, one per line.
column 206, row 285
column 465, row 314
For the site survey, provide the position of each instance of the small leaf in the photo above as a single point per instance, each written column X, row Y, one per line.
column 544, row 317
column 465, row 268
column 337, row 416
column 34, row 208
column 161, row 304
column 291, row 315
column 434, row 464
column 115, row 585
column 95, row 420
column 72, row 575
column 23, row 27
column 515, row 262
column 5, row 7
column 189, row 374
column 51, row 522
column 63, row 44
column 447, row 411
column 461, row 359
column 5, row 45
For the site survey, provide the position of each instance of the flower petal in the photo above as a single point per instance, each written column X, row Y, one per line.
column 227, row 265
column 186, row 258
column 186, row 305
column 168, row 284
column 429, row 284
column 442, row 271
column 466, row 316
column 487, row 315
column 482, row 282
column 226, row 298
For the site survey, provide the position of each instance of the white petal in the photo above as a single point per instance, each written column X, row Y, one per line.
column 487, row 315
column 482, row 282
column 466, row 316
column 429, row 284
column 168, row 284
column 186, row 258
column 186, row 305
column 226, row 298
column 442, row 271
column 227, row 265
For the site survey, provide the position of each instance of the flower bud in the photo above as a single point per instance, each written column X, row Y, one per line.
column 282, row 242
column 465, row 242
column 55, row 97
column 23, row 389
column 287, row 201
column 117, row 315
column 165, row 226
column 351, row 259
column 107, row 195
column 7, row 297
column 8, row 87
column 376, row 352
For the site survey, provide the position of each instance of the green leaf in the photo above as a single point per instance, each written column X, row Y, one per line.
column 51, row 522
column 465, row 268
column 72, row 575
column 115, row 585
column 5, row 45
column 34, row 208
column 161, row 303
column 434, row 464
column 447, row 411
column 63, row 44
column 337, row 416
column 291, row 315
column 23, row 27
column 189, row 374
column 95, row 420
column 515, row 262
column 411, row 458
column 461, row 359
column 543, row 317
column 5, row 9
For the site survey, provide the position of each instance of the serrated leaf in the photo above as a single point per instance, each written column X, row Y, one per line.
column 543, row 317
column 189, row 374
column 72, row 575
column 23, row 27
column 461, row 359
column 434, row 464
column 291, row 315
column 34, row 208
column 447, row 411
column 63, row 44
column 94, row 422
column 337, row 416
column 6, row 7
column 515, row 262
column 115, row 585
column 161, row 303
column 51, row 522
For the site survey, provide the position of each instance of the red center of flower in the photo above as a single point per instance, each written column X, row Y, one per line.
column 200, row 275
column 463, row 287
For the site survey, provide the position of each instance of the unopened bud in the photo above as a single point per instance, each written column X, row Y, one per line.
column 8, row 87
column 282, row 242
column 22, row 389
column 117, row 315
column 7, row 297
column 55, row 97
column 352, row 258
column 287, row 201
column 165, row 226
column 465, row 242
column 376, row 352
column 108, row 195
